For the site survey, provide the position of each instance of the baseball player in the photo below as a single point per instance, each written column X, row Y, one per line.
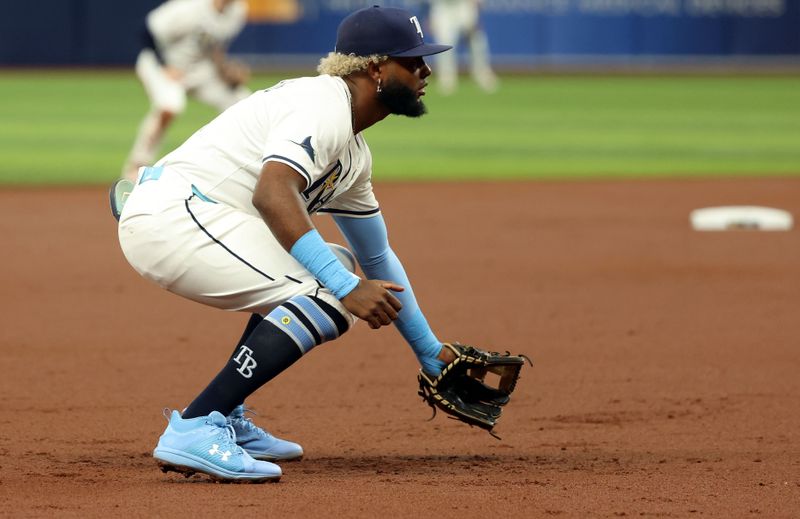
column 454, row 20
column 224, row 220
column 184, row 53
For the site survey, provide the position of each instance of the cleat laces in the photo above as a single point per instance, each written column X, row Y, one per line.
column 246, row 423
column 227, row 438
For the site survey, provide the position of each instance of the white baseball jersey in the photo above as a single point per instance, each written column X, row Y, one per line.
column 451, row 22
column 305, row 123
column 190, row 225
column 186, row 31
column 451, row 18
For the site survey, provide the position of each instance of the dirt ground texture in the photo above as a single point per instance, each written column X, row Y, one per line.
column 665, row 379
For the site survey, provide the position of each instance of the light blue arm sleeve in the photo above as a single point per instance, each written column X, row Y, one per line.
column 369, row 241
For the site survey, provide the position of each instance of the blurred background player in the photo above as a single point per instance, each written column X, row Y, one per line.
column 453, row 21
column 184, row 52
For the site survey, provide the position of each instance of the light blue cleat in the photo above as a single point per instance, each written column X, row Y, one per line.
column 260, row 444
column 207, row 444
column 118, row 195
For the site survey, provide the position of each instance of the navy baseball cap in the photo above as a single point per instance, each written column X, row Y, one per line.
column 387, row 31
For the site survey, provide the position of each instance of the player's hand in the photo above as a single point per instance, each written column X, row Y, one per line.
column 235, row 73
column 173, row 73
column 446, row 355
column 373, row 302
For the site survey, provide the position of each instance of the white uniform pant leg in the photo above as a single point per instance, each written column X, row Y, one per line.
column 445, row 25
column 480, row 67
column 478, row 43
column 219, row 94
column 166, row 95
column 206, row 85
column 212, row 253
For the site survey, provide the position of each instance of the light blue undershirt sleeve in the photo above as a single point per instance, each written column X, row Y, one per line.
column 368, row 239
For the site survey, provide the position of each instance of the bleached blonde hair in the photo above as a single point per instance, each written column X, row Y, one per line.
column 336, row 64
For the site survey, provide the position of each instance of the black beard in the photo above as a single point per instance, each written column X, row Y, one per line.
column 401, row 100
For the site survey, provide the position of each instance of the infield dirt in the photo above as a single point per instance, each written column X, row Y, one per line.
column 665, row 379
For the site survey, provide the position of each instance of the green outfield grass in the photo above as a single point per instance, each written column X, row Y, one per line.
column 75, row 128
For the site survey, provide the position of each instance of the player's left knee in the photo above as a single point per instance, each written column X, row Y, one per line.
column 309, row 321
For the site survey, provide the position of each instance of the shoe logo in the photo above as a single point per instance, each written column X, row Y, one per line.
column 215, row 450
column 245, row 361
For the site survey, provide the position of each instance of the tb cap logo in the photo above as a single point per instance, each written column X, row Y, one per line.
column 414, row 21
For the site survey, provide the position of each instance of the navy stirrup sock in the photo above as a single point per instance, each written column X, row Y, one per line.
column 275, row 343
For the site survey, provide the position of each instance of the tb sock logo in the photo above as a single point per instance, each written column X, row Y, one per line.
column 245, row 361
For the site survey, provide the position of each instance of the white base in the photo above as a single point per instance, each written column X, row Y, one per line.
column 740, row 217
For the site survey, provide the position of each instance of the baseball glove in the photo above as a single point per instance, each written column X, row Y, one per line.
column 462, row 391
column 235, row 73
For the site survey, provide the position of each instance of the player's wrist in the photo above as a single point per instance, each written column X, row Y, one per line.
column 314, row 254
column 446, row 355
column 343, row 284
column 432, row 366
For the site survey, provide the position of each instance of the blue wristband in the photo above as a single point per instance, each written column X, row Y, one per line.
column 314, row 254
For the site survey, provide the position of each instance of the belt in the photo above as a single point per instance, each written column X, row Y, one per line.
column 151, row 173
column 155, row 172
